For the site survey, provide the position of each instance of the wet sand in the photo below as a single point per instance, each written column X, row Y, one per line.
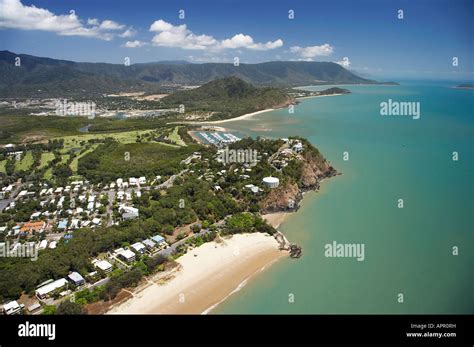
column 208, row 275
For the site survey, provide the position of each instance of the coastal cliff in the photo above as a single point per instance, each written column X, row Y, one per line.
column 313, row 169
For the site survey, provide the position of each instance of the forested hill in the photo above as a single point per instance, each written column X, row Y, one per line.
column 229, row 97
column 37, row 76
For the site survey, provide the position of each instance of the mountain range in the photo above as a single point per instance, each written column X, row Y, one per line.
column 47, row 77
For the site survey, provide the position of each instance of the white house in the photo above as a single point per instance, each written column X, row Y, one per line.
column 43, row 244
column 128, row 212
column 138, row 247
column 103, row 265
column 11, row 308
column 44, row 291
column 127, row 255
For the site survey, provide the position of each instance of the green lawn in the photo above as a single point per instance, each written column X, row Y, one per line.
column 48, row 174
column 64, row 158
column 174, row 136
column 75, row 161
column 25, row 162
column 46, row 157
column 71, row 142
column 2, row 166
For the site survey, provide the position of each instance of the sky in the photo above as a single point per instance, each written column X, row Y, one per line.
column 426, row 39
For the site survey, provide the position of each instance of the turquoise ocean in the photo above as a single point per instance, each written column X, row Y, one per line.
column 408, row 251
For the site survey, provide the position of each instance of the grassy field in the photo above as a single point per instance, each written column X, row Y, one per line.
column 74, row 141
column 18, row 127
column 2, row 166
column 46, row 157
column 64, row 158
column 75, row 161
column 48, row 174
column 25, row 162
column 174, row 136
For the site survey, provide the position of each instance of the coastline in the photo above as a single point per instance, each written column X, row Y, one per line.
column 275, row 219
column 244, row 116
column 319, row 96
column 207, row 275
column 250, row 115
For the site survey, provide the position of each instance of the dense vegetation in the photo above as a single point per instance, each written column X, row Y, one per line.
column 113, row 160
column 184, row 203
column 228, row 97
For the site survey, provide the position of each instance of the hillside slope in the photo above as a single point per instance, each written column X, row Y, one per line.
column 53, row 77
column 228, row 97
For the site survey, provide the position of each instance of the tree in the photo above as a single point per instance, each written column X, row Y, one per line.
column 49, row 310
column 67, row 307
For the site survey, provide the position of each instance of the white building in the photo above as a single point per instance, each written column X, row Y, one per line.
column 128, row 212
column 11, row 308
column 104, row 265
column 298, row 147
column 127, row 255
column 271, row 182
column 138, row 247
column 44, row 291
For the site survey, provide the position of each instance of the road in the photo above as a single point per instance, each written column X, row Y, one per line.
column 169, row 182
column 5, row 202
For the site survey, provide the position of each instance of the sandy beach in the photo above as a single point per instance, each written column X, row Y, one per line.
column 318, row 96
column 207, row 275
column 244, row 116
column 250, row 115
column 276, row 219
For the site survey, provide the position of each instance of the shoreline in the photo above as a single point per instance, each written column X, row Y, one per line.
column 320, row 96
column 206, row 277
column 250, row 115
column 276, row 219
column 244, row 116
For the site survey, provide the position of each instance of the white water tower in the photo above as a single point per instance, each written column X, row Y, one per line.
column 271, row 182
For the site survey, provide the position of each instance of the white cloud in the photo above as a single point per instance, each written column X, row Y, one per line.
column 134, row 44
column 111, row 25
column 128, row 33
column 15, row 15
column 246, row 41
column 312, row 51
column 169, row 35
column 345, row 62
column 92, row 21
